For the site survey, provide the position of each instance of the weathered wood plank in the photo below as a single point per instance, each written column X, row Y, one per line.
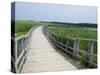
column 43, row 57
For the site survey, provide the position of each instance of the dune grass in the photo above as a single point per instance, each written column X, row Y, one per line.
column 22, row 26
column 67, row 33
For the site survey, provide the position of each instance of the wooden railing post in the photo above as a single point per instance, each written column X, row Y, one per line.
column 76, row 47
column 54, row 37
column 22, row 44
column 46, row 30
column 90, row 51
column 67, row 44
column 16, row 55
column 57, row 38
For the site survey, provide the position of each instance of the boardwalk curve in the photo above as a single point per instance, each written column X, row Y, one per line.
column 43, row 57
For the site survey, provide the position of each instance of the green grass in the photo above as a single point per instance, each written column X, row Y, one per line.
column 22, row 26
column 66, row 33
column 74, row 32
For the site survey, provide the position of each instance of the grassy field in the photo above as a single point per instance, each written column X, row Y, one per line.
column 67, row 33
column 74, row 32
column 22, row 27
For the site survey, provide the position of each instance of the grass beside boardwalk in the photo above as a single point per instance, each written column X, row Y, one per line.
column 74, row 32
column 68, row 32
column 23, row 26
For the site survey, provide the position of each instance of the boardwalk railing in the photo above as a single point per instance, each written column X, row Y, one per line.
column 72, row 47
column 21, row 49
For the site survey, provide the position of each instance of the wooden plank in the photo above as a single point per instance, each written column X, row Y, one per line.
column 43, row 57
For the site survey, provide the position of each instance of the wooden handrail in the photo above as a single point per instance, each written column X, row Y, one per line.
column 76, row 49
column 21, row 49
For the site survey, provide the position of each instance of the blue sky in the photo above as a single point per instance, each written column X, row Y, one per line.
column 55, row 12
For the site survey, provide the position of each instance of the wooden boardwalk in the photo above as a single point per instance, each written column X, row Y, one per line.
column 43, row 57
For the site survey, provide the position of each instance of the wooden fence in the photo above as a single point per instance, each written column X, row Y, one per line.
column 73, row 49
column 20, row 50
